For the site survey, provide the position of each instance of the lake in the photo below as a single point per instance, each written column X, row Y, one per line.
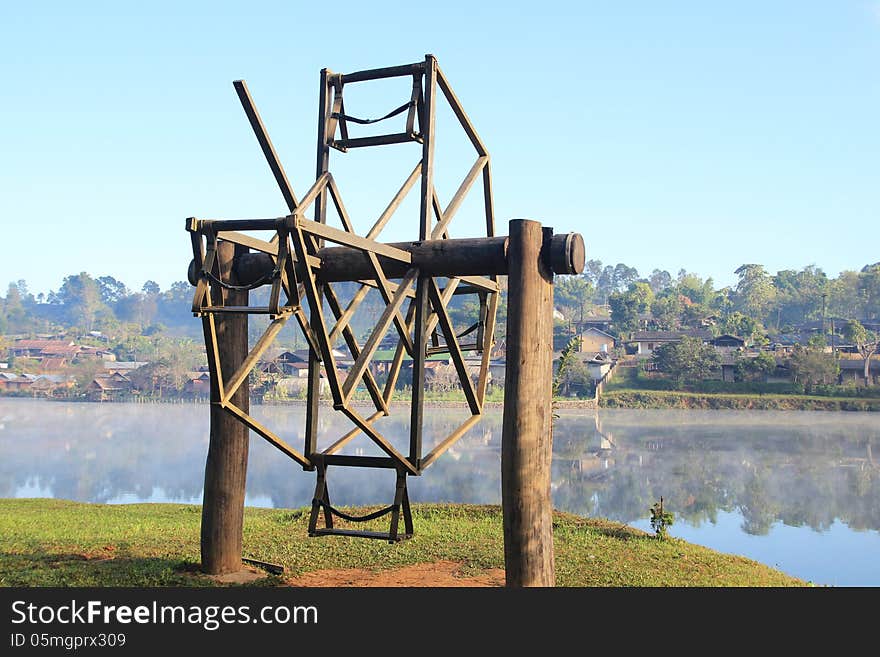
column 799, row 491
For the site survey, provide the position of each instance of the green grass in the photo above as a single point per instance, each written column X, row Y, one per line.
column 49, row 542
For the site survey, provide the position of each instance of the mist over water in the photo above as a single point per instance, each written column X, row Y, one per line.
column 799, row 491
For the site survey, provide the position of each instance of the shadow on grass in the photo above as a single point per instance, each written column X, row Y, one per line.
column 72, row 569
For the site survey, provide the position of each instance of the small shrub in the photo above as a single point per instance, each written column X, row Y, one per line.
column 660, row 519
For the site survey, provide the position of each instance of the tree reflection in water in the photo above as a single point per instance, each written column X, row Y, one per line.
column 799, row 468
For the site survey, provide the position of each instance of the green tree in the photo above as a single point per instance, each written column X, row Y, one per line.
column 688, row 359
column 624, row 312
column 865, row 342
column 81, row 297
column 642, row 293
column 741, row 325
column 755, row 293
column 666, row 311
column 869, row 290
column 695, row 288
column 574, row 293
column 810, row 364
column 756, row 368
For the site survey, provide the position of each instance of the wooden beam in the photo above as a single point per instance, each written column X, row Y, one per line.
column 454, row 348
column 350, row 239
column 265, row 144
column 266, row 433
column 460, row 113
column 380, row 440
column 241, row 374
column 346, row 438
column 226, row 462
column 375, row 338
column 461, row 192
column 448, row 442
column 526, row 442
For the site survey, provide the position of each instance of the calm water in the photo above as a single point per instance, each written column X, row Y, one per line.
column 799, row 491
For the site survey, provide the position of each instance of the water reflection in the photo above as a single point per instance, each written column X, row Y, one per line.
column 765, row 469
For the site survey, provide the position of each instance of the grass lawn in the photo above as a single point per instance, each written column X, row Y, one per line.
column 47, row 542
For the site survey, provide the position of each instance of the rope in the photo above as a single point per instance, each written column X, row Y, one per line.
column 354, row 119
column 253, row 286
column 345, row 516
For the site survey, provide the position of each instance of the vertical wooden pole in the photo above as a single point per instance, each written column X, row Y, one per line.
column 526, row 443
column 226, row 464
column 422, row 309
column 320, row 215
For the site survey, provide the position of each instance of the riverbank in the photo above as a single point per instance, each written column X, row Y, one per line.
column 637, row 399
column 48, row 542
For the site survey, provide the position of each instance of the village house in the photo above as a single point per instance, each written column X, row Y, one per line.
column 647, row 341
column 198, row 384
column 852, row 370
column 109, row 388
column 593, row 340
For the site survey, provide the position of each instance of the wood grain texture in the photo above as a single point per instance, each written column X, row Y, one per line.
column 526, row 441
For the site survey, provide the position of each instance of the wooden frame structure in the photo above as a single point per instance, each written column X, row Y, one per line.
column 296, row 262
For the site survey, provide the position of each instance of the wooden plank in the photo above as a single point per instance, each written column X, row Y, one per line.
column 346, row 438
column 379, row 439
column 318, row 326
column 315, row 290
column 267, row 433
column 265, row 143
column 251, row 242
column 377, row 140
column 380, row 73
column 460, row 113
column 448, row 442
column 454, row 348
column 487, row 199
column 375, row 338
column 247, row 365
column 354, row 348
column 317, row 189
column 352, row 240
column 360, row 461
column 428, row 147
column 373, row 233
column 488, row 342
column 461, row 192
column 387, row 295
column 397, row 361
column 345, row 317
column 485, row 284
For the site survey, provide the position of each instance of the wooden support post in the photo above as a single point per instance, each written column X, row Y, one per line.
column 226, row 464
column 526, row 442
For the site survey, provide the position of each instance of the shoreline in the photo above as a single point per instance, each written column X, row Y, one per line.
column 622, row 399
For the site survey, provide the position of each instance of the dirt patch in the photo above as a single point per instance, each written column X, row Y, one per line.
column 246, row 575
column 430, row 575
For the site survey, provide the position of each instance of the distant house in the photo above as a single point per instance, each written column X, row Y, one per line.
column 594, row 340
column 728, row 341
column 108, row 388
column 853, row 370
column 647, row 341
column 599, row 365
column 123, row 367
column 24, row 348
column 198, row 384
column 7, row 380
column 600, row 321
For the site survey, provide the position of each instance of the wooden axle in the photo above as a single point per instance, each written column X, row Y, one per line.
column 485, row 256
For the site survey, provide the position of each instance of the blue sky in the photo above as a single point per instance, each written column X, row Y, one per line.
column 696, row 135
